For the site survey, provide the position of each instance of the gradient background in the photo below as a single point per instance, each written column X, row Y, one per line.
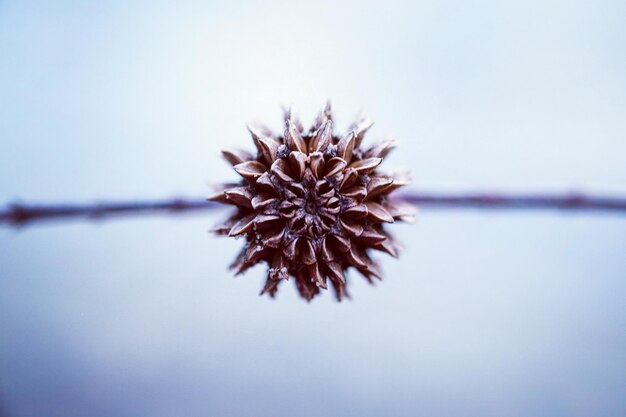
column 486, row 314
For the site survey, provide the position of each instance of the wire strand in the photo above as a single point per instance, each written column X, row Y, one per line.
column 22, row 214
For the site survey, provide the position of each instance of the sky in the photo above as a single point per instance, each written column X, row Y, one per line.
column 485, row 313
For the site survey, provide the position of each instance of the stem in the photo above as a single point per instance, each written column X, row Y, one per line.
column 24, row 214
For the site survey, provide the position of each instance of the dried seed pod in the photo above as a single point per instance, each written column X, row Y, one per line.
column 311, row 204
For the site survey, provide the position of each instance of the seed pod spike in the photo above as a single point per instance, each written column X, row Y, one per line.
column 360, row 128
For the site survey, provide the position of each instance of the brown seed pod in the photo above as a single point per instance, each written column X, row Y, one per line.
column 312, row 204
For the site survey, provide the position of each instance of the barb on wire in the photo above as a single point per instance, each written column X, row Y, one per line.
column 21, row 214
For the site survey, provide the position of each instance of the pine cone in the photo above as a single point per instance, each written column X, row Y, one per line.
column 311, row 205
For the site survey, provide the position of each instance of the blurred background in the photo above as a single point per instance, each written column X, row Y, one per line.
column 485, row 314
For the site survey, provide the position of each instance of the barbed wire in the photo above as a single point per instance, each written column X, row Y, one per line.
column 23, row 214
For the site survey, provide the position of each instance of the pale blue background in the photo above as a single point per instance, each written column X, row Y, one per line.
column 486, row 314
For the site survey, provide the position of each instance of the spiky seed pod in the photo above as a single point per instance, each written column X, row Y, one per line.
column 312, row 204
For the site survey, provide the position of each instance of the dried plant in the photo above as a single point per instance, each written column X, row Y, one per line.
column 312, row 204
